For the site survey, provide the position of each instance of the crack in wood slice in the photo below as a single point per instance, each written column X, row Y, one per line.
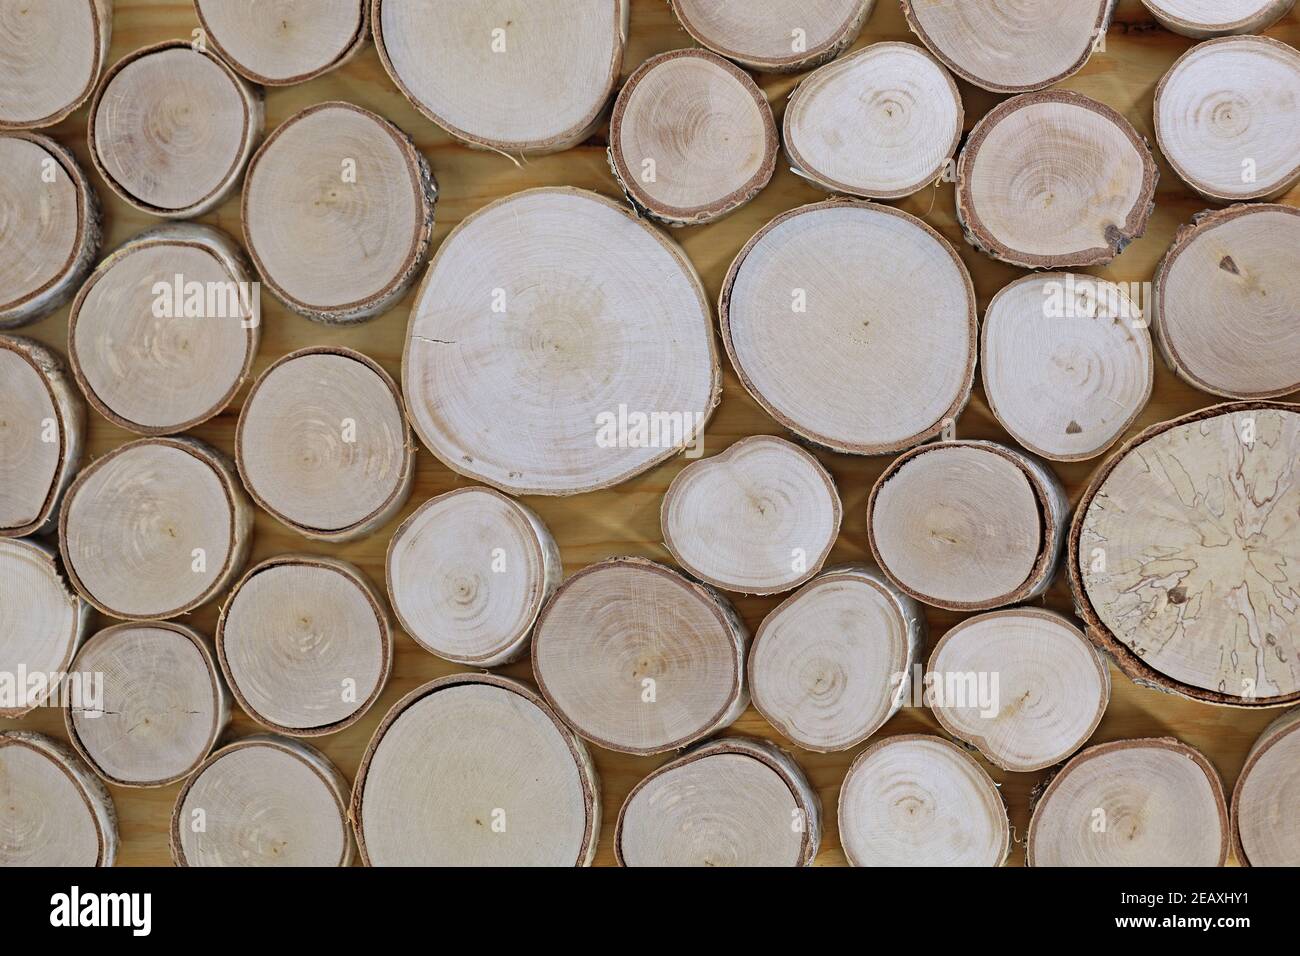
column 775, row 36
column 51, row 56
column 1264, row 827
column 1201, row 19
column 284, row 42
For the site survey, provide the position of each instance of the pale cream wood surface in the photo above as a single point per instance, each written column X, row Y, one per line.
column 51, row 56
column 1209, row 18
column 284, row 41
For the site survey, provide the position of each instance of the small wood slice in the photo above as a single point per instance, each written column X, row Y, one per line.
column 917, row 800
column 57, row 813
column 51, row 56
column 172, row 128
column 338, row 213
column 735, row 801
column 263, row 800
column 1151, row 802
column 155, row 528
column 1054, row 180
column 760, row 518
column 968, row 525
column 323, row 445
column 468, row 573
column 1185, row 553
column 775, row 36
column 1201, row 19
column 559, row 344
column 158, row 354
column 486, row 72
column 637, row 658
column 833, row 662
column 1265, row 831
column 286, row 42
column 861, row 361
column 1067, row 363
column 305, row 644
column 164, row 704
column 475, row 770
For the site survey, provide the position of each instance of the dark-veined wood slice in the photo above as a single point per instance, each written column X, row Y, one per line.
column 1265, row 831
column 285, row 41
column 52, row 53
column 1201, row 19
column 775, row 36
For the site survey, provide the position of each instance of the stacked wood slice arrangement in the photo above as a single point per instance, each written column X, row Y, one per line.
column 51, row 57
column 776, row 36
column 287, row 42
column 1264, row 830
column 1202, row 19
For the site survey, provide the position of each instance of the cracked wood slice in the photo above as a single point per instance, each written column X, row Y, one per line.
column 155, row 528
column 1052, row 686
column 775, row 36
column 833, row 662
column 1150, row 802
column 857, row 360
column 1184, row 555
column 1264, row 827
column 475, row 770
column 322, row 444
column 559, row 344
column 52, row 53
column 639, row 659
column 1202, row 19
column 338, row 212
column 735, row 801
column 468, row 573
column 918, row 800
column 486, row 72
column 1054, row 180
column 1067, row 363
column 691, row 138
column 285, row 41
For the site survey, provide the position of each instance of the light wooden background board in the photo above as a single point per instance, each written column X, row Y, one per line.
column 625, row 520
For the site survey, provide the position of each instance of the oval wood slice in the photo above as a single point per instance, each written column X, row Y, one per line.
column 468, row 573
column 636, row 658
column 475, row 770
column 917, row 800
column 735, row 801
column 286, row 42
column 861, row 361
column 775, row 36
column 1264, row 826
column 51, row 56
column 559, row 345
column 1201, row 19
column 1151, row 802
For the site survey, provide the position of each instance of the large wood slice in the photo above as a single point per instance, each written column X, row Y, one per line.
column 288, row 41
column 1201, row 19
column 776, row 36
column 1265, row 831
column 52, row 53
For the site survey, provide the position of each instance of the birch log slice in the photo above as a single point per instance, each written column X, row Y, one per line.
column 161, row 362
column 777, row 36
column 833, row 662
column 172, row 128
column 155, row 528
column 1185, row 555
column 475, row 770
column 1201, row 19
column 486, row 71
column 468, row 573
column 1265, row 831
column 1226, row 297
column 917, row 800
column 691, row 137
column 305, row 644
column 322, row 444
column 862, row 361
column 559, row 345
column 1054, row 180
column 637, row 658
column 285, row 41
column 1067, row 363
column 735, row 801
column 51, row 56
column 760, row 518
column 57, row 813
column 338, row 212
column 1152, row 802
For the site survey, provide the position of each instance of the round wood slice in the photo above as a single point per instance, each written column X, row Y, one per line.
column 475, row 770
column 1201, row 19
column 305, row 644
column 155, row 528
column 286, row 42
column 487, row 72
column 468, row 573
column 1066, row 361
column 636, row 658
column 968, row 525
column 57, row 813
column 51, row 56
column 263, row 800
column 862, row 361
column 917, row 800
column 338, row 212
column 1185, row 553
column 172, row 128
column 775, row 36
column 1265, row 831
column 559, row 345
column 157, row 362
column 164, row 704
column 1054, row 180
column 691, row 138
column 1151, row 802
column 323, row 445
column 760, row 518
column 735, row 801
column 833, row 662
column 1051, row 692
